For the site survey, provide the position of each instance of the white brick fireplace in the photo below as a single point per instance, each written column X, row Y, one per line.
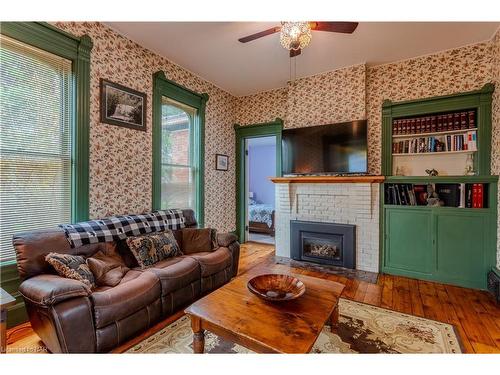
column 342, row 203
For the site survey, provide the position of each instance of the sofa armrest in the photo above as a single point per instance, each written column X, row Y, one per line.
column 226, row 239
column 47, row 290
column 230, row 241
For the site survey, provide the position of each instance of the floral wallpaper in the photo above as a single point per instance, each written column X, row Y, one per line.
column 326, row 98
column 334, row 96
column 262, row 107
column 120, row 158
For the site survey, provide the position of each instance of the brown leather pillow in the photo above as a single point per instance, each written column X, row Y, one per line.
column 107, row 270
column 196, row 240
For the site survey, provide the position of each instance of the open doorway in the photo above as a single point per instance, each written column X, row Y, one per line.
column 248, row 194
column 260, row 165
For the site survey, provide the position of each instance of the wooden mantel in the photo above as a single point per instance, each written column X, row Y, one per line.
column 328, row 179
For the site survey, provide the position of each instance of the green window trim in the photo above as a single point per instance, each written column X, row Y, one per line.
column 77, row 49
column 162, row 86
column 242, row 133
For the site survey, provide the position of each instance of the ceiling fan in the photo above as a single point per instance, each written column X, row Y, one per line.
column 294, row 36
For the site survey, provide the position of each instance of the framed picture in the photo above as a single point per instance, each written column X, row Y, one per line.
column 221, row 162
column 122, row 106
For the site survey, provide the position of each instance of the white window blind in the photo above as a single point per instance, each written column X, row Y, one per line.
column 178, row 171
column 35, row 141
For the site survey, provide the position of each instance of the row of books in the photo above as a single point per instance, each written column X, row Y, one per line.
column 452, row 195
column 437, row 123
column 443, row 143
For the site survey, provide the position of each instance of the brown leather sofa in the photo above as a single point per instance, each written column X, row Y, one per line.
column 70, row 319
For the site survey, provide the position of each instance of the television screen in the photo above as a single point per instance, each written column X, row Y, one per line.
column 326, row 149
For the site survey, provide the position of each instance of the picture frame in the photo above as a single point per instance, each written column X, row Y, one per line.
column 221, row 162
column 122, row 106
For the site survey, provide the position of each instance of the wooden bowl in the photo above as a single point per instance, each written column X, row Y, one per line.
column 276, row 287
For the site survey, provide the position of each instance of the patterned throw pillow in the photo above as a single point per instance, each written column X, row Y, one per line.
column 71, row 267
column 153, row 247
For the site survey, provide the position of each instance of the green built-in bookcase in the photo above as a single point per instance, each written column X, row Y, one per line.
column 453, row 245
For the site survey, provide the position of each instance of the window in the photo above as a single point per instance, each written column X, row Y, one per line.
column 178, row 170
column 178, row 162
column 36, row 101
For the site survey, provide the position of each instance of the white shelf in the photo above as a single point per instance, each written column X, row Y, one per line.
column 435, row 153
column 420, row 135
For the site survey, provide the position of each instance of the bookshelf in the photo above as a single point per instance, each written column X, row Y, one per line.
column 405, row 136
column 435, row 153
column 454, row 243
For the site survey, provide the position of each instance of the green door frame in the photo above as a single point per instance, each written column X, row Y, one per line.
column 162, row 86
column 77, row 49
column 242, row 134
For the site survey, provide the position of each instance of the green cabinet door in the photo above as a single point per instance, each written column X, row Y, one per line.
column 408, row 241
column 461, row 248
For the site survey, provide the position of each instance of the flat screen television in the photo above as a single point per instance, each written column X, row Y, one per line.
column 325, row 149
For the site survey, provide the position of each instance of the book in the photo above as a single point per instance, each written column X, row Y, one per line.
column 387, row 195
column 476, row 196
column 420, row 192
column 449, row 122
column 471, row 140
column 439, row 123
column 433, row 124
column 456, row 121
column 463, row 120
column 462, row 195
column 468, row 195
column 480, row 195
column 449, row 194
column 471, row 120
column 411, row 193
column 399, row 199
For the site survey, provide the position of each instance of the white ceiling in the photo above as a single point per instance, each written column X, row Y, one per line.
column 212, row 51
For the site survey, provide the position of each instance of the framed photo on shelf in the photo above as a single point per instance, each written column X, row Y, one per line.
column 221, row 162
column 122, row 106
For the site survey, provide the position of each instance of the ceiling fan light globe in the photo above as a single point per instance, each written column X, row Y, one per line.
column 295, row 35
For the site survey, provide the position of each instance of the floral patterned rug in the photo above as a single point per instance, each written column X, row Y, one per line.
column 362, row 329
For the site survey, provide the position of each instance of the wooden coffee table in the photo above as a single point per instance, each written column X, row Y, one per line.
column 237, row 315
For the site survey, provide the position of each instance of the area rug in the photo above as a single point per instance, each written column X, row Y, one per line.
column 362, row 329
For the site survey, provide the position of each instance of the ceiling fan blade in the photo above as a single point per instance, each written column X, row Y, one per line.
column 335, row 27
column 270, row 31
column 294, row 53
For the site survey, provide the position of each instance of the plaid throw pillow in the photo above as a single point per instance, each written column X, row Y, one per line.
column 71, row 267
column 152, row 248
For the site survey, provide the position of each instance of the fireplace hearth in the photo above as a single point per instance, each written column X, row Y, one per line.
column 323, row 243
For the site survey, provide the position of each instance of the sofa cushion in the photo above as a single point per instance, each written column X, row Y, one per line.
column 107, row 270
column 114, row 304
column 196, row 240
column 214, row 261
column 72, row 267
column 154, row 247
column 175, row 273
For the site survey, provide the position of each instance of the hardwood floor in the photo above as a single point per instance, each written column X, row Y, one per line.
column 475, row 314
